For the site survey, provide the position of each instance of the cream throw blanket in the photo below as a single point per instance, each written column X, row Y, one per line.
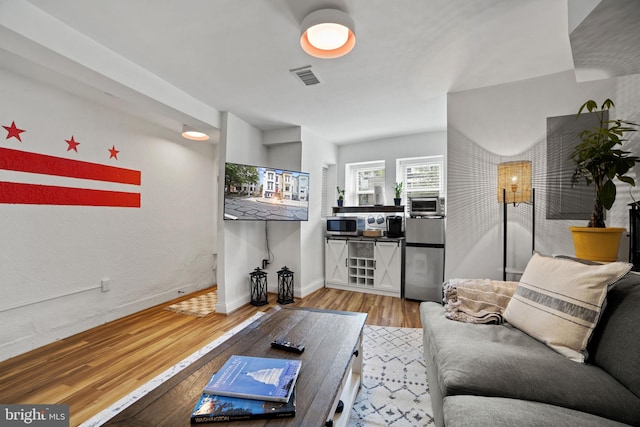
column 477, row 300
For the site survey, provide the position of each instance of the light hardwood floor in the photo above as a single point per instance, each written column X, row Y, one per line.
column 93, row 369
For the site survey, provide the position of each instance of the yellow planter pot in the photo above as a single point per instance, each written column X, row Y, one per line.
column 597, row 244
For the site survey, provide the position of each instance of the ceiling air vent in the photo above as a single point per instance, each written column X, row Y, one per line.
column 306, row 75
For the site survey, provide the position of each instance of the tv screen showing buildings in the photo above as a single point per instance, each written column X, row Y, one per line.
column 265, row 194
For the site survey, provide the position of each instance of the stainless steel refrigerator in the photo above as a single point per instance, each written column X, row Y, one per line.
column 424, row 258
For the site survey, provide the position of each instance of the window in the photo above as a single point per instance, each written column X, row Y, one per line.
column 421, row 176
column 361, row 180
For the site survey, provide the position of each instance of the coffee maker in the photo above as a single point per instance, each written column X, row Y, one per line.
column 394, row 226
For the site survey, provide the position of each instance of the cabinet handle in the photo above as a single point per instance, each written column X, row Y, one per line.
column 346, row 262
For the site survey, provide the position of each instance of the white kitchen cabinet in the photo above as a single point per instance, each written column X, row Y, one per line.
column 335, row 262
column 364, row 265
column 388, row 266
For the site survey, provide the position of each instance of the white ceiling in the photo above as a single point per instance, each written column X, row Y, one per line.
column 235, row 55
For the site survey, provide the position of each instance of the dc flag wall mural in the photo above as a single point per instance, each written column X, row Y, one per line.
column 14, row 189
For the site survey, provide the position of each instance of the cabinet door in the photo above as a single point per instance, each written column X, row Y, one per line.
column 335, row 261
column 388, row 258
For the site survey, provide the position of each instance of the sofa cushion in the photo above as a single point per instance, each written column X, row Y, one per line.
column 615, row 346
column 480, row 411
column 502, row 361
column 558, row 301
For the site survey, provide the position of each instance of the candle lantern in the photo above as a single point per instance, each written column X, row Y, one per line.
column 285, row 286
column 258, row 287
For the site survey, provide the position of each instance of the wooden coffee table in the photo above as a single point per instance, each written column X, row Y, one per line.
column 331, row 368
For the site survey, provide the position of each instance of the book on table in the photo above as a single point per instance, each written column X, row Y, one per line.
column 212, row 408
column 260, row 378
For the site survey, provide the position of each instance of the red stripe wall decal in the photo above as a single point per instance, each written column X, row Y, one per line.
column 23, row 161
column 35, row 194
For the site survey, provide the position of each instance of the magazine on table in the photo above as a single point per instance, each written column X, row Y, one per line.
column 212, row 408
column 261, row 378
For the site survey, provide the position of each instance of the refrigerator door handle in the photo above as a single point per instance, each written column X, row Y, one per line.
column 425, row 245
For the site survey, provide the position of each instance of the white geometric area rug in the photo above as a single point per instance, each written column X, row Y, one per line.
column 394, row 381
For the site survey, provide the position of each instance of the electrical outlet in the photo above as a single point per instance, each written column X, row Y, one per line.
column 105, row 285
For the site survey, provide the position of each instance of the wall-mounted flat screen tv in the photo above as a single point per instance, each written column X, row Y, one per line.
column 265, row 194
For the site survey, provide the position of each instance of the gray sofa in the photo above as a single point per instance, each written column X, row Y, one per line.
column 496, row 375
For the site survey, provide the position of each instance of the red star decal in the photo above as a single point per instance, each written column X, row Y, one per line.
column 13, row 131
column 114, row 152
column 73, row 145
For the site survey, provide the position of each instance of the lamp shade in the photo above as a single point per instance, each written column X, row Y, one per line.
column 327, row 33
column 515, row 178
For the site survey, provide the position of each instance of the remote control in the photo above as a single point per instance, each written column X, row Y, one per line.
column 287, row 346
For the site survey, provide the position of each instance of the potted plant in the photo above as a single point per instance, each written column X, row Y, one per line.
column 398, row 190
column 599, row 159
column 340, row 196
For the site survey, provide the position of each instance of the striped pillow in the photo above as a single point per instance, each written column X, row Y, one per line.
column 558, row 301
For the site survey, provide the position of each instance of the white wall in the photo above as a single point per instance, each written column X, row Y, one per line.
column 243, row 244
column 388, row 150
column 627, row 99
column 284, row 236
column 52, row 258
column 508, row 122
column 316, row 154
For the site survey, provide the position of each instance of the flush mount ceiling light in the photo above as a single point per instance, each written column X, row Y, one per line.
column 328, row 33
column 190, row 133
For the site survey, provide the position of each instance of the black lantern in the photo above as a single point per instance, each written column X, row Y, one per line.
column 258, row 287
column 285, row 286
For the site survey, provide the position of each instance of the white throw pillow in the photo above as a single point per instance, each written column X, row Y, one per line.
column 558, row 301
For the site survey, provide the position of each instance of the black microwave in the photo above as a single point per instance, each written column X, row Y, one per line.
column 345, row 226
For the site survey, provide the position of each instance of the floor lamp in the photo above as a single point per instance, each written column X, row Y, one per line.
column 514, row 186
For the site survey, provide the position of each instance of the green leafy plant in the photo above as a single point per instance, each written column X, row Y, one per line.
column 599, row 159
column 398, row 190
column 340, row 193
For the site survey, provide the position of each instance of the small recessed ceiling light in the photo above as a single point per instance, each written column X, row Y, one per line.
column 328, row 33
column 190, row 133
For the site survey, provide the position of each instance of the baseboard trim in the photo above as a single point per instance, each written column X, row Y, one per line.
column 309, row 289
